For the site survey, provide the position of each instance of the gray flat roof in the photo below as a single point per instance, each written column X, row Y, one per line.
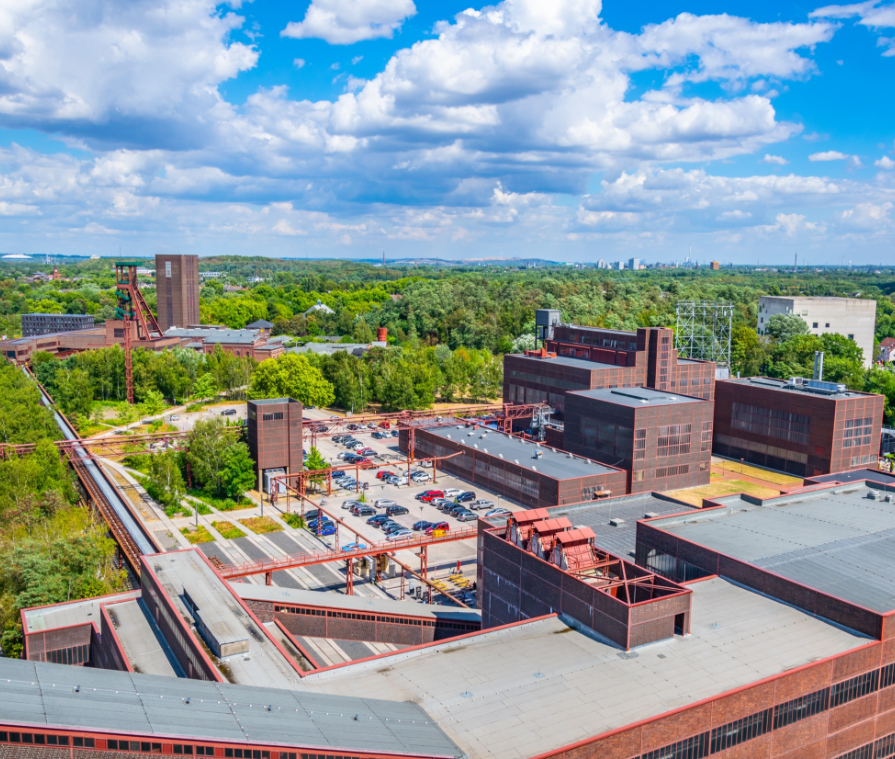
column 783, row 386
column 835, row 540
column 368, row 604
column 41, row 694
column 560, row 466
column 535, row 687
column 264, row 664
column 576, row 363
column 856, row 475
column 637, row 397
column 73, row 613
column 143, row 644
column 619, row 539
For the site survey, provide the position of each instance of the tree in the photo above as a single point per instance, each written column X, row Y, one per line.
column 166, row 483
column 882, row 381
column 291, row 376
column 205, row 387
column 73, row 392
column 784, row 327
column 747, row 352
column 314, row 462
column 238, row 474
column 523, row 343
column 207, row 455
column 153, row 403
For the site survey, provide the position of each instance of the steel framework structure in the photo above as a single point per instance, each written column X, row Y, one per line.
column 703, row 330
column 132, row 309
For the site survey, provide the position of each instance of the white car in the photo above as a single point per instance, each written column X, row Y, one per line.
column 400, row 535
column 420, row 477
column 498, row 513
column 427, row 464
column 452, row 492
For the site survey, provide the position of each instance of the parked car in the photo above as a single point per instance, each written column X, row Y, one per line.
column 427, row 464
column 498, row 512
column 381, row 503
column 378, row 520
column 480, row 504
column 342, row 454
column 339, row 474
column 363, row 461
column 456, row 509
column 327, row 529
column 312, row 514
column 174, row 417
column 313, row 524
column 384, row 425
column 467, row 516
column 347, row 483
column 422, row 525
column 349, row 503
column 452, row 492
column 355, row 445
column 392, row 479
column 419, row 477
column 337, row 438
column 353, row 427
column 382, row 473
column 438, row 527
column 445, row 505
column 394, row 433
column 363, row 511
column 228, row 412
column 354, row 547
column 378, row 436
column 389, row 527
column 427, row 496
column 396, row 509
column 367, row 451
column 400, row 535
column 467, row 497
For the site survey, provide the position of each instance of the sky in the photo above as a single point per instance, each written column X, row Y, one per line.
column 570, row 130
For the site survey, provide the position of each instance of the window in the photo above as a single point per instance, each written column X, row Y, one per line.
column 800, row 708
column 692, row 748
column 760, row 420
column 857, row 432
column 851, row 337
column 827, row 325
column 734, row 733
column 814, row 325
column 272, row 417
column 887, row 676
column 84, row 743
column 857, row 687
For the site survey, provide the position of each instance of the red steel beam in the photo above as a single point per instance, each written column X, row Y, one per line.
column 233, row 571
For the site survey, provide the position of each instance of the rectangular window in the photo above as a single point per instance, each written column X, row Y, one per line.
column 884, row 747
column 857, row 687
column 800, row 708
column 864, row 752
column 734, row 733
column 815, row 325
column 760, row 420
column 887, row 676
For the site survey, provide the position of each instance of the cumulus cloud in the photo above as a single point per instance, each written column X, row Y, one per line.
column 777, row 160
column 873, row 14
column 299, row 63
column 829, row 155
column 885, row 163
column 344, row 22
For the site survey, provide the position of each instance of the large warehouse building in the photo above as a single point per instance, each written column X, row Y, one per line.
column 587, row 358
column 768, row 623
column 529, row 473
column 803, row 427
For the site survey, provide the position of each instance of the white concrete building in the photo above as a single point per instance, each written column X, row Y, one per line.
column 853, row 317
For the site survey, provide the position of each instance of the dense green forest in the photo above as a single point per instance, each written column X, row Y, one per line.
column 52, row 549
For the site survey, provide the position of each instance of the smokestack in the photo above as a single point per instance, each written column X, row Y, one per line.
column 818, row 365
column 381, row 334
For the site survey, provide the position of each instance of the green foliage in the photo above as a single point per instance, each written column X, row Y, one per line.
column 205, row 387
column 293, row 520
column 747, row 352
column 882, row 381
column 165, row 481
column 784, row 327
column 153, row 403
column 23, row 418
column 291, row 376
column 238, row 474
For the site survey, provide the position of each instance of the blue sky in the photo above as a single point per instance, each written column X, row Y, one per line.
column 571, row 130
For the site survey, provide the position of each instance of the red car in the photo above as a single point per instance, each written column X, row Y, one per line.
column 438, row 527
column 384, row 425
column 363, row 462
column 366, row 452
column 430, row 495
column 382, row 473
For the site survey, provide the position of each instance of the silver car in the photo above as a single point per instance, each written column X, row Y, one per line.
column 382, row 503
column 466, row 516
column 481, row 504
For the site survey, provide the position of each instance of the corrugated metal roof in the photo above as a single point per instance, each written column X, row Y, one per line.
column 37, row 693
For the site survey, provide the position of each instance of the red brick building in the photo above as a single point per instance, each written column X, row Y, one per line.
column 662, row 440
column 802, row 427
column 588, row 358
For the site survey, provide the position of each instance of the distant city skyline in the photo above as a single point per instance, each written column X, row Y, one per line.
column 568, row 131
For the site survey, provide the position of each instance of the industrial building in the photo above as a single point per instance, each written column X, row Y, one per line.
column 529, row 473
column 34, row 325
column 577, row 358
column 768, row 626
column 274, row 436
column 803, row 427
column 662, row 440
column 855, row 318
column 177, row 290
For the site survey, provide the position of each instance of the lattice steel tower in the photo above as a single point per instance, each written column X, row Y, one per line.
column 703, row 330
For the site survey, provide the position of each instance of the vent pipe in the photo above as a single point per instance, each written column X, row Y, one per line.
column 818, row 365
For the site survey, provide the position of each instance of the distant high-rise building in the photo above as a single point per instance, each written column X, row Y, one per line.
column 634, row 264
column 715, row 265
column 177, row 289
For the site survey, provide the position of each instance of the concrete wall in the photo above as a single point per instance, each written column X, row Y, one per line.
column 842, row 316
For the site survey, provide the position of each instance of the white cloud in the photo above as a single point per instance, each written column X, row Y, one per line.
column 872, row 14
column 774, row 159
column 829, row 155
column 885, row 163
column 344, row 22
column 357, row 59
column 868, row 216
column 299, row 63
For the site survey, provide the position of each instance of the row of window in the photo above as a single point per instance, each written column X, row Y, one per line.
column 71, row 655
column 275, row 416
column 760, row 420
column 352, row 615
column 672, row 471
column 746, row 729
column 145, row 747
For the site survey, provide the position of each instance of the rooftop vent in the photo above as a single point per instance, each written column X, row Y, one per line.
column 538, row 454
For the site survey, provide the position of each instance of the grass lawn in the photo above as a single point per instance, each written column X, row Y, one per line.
column 228, row 530
column 719, row 488
column 757, row 472
column 197, row 535
column 261, row 525
column 221, row 504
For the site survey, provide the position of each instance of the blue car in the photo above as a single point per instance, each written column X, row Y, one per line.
column 422, row 525
column 328, row 528
column 313, row 523
column 355, row 547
